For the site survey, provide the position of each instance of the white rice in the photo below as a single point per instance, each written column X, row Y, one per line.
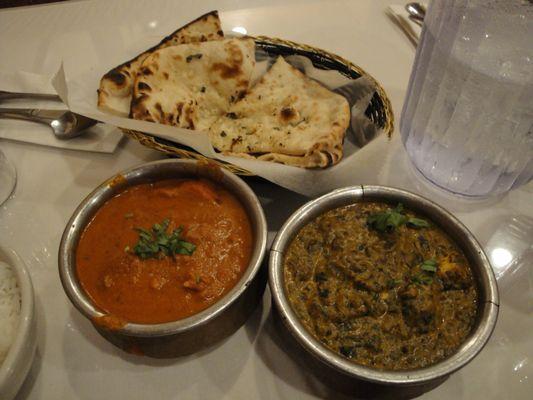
column 9, row 308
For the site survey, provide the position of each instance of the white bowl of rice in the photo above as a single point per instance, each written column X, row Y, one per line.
column 17, row 323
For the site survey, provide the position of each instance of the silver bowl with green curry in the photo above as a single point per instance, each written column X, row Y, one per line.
column 383, row 285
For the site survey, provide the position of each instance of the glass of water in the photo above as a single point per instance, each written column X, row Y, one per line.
column 467, row 121
column 8, row 178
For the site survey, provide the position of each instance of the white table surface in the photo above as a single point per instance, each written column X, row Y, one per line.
column 74, row 362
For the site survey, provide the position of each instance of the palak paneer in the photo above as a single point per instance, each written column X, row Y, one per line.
column 381, row 286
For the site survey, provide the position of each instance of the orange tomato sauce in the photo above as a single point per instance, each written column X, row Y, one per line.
column 157, row 290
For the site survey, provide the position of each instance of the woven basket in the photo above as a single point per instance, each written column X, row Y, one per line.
column 379, row 110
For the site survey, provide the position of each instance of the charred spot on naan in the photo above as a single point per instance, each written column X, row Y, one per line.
column 144, row 87
column 227, row 71
column 146, row 71
column 159, row 109
column 288, row 114
column 235, row 141
column 138, row 108
column 117, row 77
column 189, row 113
column 233, row 66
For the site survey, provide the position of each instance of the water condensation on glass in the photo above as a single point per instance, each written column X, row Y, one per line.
column 467, row 121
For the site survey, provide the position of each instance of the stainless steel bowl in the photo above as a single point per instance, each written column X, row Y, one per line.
column 483, row 275
column 190, row 334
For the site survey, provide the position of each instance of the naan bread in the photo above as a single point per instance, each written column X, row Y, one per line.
column 192, row 85
column 114, row 94
column 287, row 118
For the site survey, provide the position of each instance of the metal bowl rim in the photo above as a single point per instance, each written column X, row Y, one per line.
column 477, row 339
column 82, row 302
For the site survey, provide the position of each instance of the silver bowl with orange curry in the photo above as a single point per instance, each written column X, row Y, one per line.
column 164, row 259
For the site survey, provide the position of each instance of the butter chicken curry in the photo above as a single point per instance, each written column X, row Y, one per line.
column 164, row 251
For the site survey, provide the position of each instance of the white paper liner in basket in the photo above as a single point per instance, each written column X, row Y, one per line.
column 78, row 90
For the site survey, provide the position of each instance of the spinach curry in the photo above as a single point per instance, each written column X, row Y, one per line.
column 381, row 286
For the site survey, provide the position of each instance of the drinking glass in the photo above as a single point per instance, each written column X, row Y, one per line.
column 8, row 178
column 467, row 121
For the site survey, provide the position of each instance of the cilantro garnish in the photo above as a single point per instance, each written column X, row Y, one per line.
column 388, row 221
column 157, row 242
column 417, row 223
column 425, row 277
column 422, row 279
column 429, row 266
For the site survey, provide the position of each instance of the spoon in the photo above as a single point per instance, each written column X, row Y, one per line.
column 65, row 124
column 416, row 11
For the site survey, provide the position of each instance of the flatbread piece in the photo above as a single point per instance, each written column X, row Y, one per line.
column 192, row 85
column 114, row 93
column 287, row 118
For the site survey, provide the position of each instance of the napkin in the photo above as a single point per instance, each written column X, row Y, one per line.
column 100, row 138
column 398, row 13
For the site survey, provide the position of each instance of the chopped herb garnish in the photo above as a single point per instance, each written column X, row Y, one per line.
column 429, row 266
column 425, row 277
column 193, row 56
column 393, row 283
column 232, row 115
column 223, row 134
column 157, row 242
column 202, row 89
column 417, row 223
column 128, row 215
column 323, row 293
column 388, row 221
column 422, row 279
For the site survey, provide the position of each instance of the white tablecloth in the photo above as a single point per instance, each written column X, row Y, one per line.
column 74, row 362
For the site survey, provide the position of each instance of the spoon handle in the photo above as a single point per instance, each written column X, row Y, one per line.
column 32, row 96
column 31, row 114
column 419, row 22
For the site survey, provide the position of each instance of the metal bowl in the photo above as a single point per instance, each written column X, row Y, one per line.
column 484, row 277
column 196, row 332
